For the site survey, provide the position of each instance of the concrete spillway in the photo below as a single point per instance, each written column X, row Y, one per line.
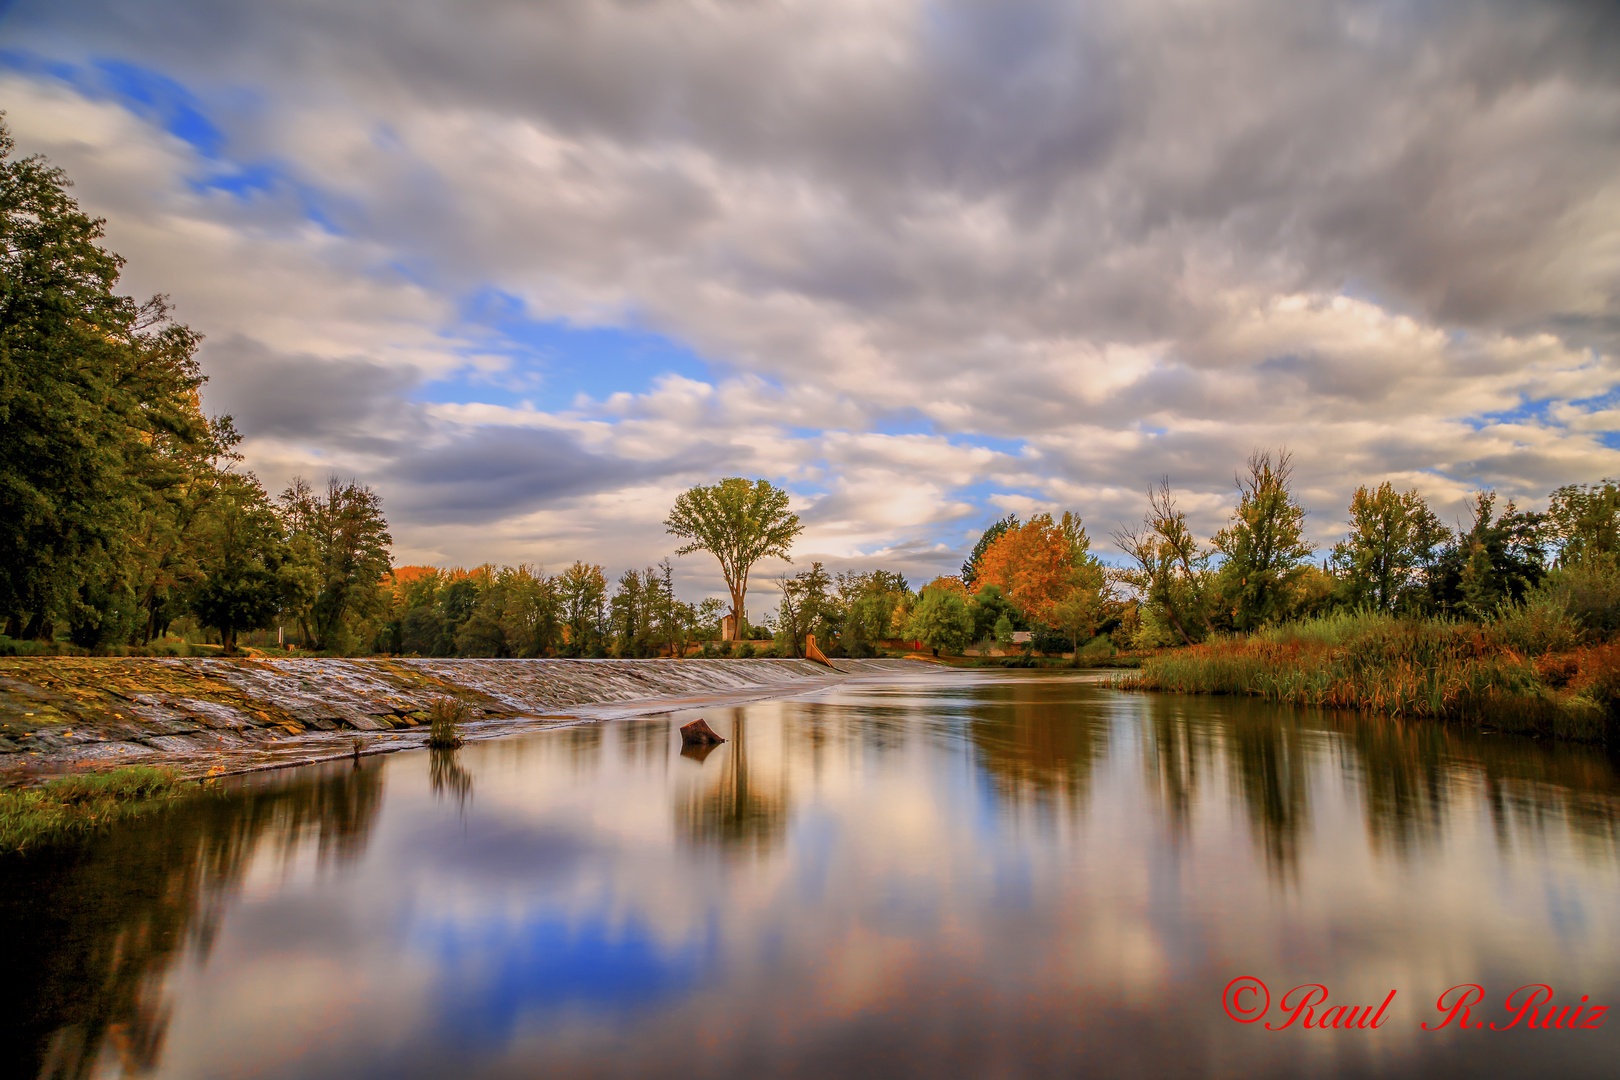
column 220, row 716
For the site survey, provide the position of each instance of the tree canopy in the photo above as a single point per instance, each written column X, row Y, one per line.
column 739, row 522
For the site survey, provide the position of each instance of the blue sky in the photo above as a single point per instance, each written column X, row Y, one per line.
column 532, row 270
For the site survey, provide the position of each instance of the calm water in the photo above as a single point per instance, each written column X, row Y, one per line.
column 955, row 875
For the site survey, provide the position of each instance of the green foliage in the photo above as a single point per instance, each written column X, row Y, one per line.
column 1589, row 590
column 103, row 437
column 582, row 600
column 1264, row 546
column 739, row 522
column 805, row 604
column 941, row 621
column 1172, row 575
column 1498, row 561
column 1393, row 539
column 241, row 550
column 1584, row 522
column 1539, row 625
column 332, row 576
column 60, row 809
column 1002, row 632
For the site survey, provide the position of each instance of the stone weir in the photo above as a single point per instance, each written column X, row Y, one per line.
column 220, row 716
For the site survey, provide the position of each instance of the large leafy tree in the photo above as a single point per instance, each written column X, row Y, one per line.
column 1043, row 564
column 1584, row 521
column 98, row 405
column 337, row 559
column 582, row 598
column 941, row 620
column 739, row 522
column 1393, row 538
column 1265, row 545
column 806, row 602
column 244, row 549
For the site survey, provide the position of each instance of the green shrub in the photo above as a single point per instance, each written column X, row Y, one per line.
column 1539, row 625
column 1590, row 593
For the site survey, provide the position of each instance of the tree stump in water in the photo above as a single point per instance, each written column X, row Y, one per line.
column 699, row 733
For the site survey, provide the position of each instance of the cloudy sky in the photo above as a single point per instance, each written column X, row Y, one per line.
column 531, row 268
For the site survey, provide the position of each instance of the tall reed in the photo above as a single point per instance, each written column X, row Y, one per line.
column 444, row 718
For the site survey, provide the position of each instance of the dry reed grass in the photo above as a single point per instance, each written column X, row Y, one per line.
column 1454, row 671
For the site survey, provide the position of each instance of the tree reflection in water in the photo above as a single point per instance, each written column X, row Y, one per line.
column 1036, row 745
column 93, row 927
column 740, row 809
column 1409, row 774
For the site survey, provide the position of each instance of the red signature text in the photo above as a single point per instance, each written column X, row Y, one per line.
column 1246, row 1000
column 1531, row 1004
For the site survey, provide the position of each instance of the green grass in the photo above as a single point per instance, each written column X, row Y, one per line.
column 61, row 809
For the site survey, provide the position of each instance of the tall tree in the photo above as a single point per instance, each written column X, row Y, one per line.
column 805, row 603
column 582, row 597
column 338, row 559
column 1393, row 538
column 940, row 619
column 1172, row 575
column 243, row 549
column 739, row 522
column 96, row 393
column 1265, row 543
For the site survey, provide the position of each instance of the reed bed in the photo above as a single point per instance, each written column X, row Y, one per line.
column 1428, row 668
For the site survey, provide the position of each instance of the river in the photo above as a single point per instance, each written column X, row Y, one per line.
column 943, row 874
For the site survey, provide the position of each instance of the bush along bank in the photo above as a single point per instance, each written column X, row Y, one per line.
column 1532, row 670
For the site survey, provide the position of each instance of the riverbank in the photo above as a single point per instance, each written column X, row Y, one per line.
column 1512, row 679
column 210, row 717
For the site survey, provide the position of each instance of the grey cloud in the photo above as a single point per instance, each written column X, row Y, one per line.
column 490, row 473
column 277, row 395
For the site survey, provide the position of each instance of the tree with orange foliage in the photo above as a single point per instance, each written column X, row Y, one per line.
column 1043, row 567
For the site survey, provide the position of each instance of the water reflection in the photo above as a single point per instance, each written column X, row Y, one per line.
column 740, row 805
column 1036, row 746
column 1003, row 875
column 92, row 928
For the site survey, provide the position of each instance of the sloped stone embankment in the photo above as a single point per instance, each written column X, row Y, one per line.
column 219, row 716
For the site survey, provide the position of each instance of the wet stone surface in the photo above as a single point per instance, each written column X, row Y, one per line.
column 216, row 716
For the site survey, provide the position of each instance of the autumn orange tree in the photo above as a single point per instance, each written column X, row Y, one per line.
column 1046, row 569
